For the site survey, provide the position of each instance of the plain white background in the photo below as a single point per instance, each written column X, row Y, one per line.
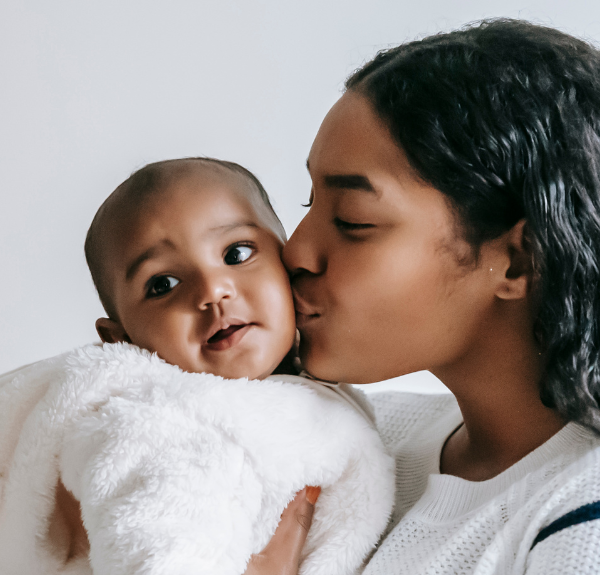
column 91, row 91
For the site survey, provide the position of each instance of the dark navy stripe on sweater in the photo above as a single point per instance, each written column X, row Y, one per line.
column 583, row 514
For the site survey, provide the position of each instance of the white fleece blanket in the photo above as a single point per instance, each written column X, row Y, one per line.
column 181, row 473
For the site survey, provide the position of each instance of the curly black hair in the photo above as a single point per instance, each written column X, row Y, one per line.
column 503, row 117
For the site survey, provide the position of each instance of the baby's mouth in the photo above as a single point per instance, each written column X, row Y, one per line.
column 225, row 333
column 227, row 337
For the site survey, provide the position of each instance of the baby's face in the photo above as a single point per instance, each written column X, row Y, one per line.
column 196, row 277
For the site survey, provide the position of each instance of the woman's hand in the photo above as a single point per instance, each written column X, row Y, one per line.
column 282, row 554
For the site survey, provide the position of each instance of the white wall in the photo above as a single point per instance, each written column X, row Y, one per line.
column 90, row 91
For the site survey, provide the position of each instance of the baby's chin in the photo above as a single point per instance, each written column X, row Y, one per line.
column 261, row 370
column 278, row 366
column 251, row 362
column 258, row 371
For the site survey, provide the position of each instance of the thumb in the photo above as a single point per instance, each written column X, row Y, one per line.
column 301, row 509
column 288, row 540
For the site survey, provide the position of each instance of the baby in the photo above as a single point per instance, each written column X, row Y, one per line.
column 177, row 469
column 185, row 256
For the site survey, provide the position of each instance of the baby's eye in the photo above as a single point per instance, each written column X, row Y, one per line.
column 237, row 254
column 160, row 285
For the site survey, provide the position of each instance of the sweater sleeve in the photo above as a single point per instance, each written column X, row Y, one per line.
column 571, row 551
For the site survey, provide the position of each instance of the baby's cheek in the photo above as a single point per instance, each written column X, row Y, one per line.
column 168, row 336
column 278, row 307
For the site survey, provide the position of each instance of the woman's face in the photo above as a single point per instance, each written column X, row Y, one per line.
column 379, row 274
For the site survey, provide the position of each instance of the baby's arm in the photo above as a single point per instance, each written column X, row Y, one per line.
column 160, row 492
column 188, row 473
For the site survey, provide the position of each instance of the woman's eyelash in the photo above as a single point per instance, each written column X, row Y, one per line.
column 310, row 201
column 350, row 226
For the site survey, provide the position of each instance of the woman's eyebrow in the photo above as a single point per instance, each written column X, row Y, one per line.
column 349, row 182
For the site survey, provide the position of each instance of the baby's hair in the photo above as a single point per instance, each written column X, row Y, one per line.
column 503, row 117
column 135, row 191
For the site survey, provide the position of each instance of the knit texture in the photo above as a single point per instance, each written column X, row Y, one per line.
column 446, row 525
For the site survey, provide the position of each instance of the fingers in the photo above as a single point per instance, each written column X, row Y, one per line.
column 295, row 522
column 312, row 494
column 282, row 554
column 301, row 508
column 304, row 520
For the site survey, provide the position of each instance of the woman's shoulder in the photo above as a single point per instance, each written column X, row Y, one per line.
column 572, row 472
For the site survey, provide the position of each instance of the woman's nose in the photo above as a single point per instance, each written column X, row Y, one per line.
column 214, row 288
column 304, row 251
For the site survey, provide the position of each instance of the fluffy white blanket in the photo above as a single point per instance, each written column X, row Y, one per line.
column 181, row 473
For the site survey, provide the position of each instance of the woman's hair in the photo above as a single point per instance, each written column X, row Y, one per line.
column 503, row 117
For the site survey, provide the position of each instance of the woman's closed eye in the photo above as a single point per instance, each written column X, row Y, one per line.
column 346, row 226
column 160, row 285
column 237, row 254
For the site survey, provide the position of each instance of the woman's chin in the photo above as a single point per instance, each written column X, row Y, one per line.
column 318, row 365
column 326, row 366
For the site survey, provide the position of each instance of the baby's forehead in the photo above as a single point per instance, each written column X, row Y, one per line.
column 216, row 195
column 202, row 180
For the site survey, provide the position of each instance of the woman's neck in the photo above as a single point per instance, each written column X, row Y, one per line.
column 497, row 389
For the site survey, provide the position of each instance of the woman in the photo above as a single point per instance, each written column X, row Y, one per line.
column 454, row 225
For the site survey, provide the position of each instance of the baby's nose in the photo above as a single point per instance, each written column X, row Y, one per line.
column 214, row 290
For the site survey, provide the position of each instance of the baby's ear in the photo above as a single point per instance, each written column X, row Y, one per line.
column 111, row 331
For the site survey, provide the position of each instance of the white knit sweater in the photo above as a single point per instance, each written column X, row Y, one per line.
column 446, row 525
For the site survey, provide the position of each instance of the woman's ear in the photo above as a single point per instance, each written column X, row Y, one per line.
column 111, row 331
column 517, row 269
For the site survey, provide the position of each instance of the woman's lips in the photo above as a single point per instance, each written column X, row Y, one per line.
column 302, row 320
column 227, row 338
column 304, row 312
